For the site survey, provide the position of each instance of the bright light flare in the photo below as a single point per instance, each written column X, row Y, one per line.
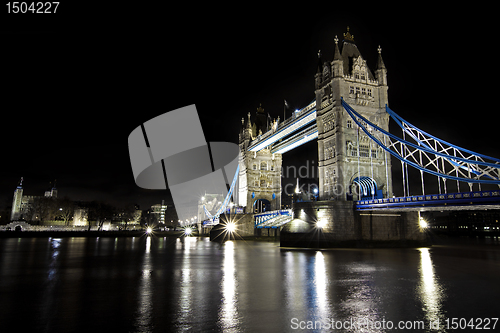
column 321, row 223
column 231, row 227
column 149, row 230
column 423, row 224
column 188, row 231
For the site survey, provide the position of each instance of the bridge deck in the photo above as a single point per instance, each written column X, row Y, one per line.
column 435, row 202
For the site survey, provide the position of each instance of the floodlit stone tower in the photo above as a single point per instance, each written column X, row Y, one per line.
column 259, row 181
column 350, row 164
column 16, row 202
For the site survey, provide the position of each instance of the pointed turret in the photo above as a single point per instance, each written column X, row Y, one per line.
column 381, row 71
column 337, row 63
column 318, row 77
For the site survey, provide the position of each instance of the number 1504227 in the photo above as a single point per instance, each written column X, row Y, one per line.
column 32, row 7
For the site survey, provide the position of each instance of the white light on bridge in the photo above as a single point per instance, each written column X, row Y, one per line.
column 321, row 223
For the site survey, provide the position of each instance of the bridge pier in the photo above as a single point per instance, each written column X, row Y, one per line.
column 325, row 224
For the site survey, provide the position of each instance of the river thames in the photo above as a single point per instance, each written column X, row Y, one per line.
column 152, row 284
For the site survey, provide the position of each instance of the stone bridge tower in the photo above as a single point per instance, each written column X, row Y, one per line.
column 350, row 165
column 259, row 181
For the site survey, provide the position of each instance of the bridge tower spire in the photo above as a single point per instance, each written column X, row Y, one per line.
column 346, row 156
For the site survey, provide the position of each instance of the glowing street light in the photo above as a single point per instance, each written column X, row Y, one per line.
column 231, row 227
column 188, row 231
column 321, row 223
column 149, row 230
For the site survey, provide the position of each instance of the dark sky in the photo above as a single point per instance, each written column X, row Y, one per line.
column 75, row 84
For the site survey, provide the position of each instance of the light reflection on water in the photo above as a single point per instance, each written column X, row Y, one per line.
column 228, row 313
column 321, row 283
column 143, row 321
column 185, row 302
column 431, row 292
column 148, row 284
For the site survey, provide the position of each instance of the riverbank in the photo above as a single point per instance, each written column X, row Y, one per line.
column 131, row 233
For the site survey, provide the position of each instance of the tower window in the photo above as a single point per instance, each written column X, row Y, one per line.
column 349, row 123
column 369, row 92
column 363, row 91
column 351, row 90
column 263, row 166
column 357, row 90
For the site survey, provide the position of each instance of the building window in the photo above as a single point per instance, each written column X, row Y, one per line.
column 364, row 151
column 262, row 183
column 357, row 90
column 351, row 90
column 254, row 167
column 363, row 91
column 263, row 166
column 369, row 92
column 349, row 123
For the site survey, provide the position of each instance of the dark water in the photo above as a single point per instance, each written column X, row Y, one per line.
column 168, row 285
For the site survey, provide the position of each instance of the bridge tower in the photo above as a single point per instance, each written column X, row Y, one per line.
column 349, row 163
column 259, row 181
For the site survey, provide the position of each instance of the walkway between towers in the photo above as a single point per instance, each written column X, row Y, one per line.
column 273, row 219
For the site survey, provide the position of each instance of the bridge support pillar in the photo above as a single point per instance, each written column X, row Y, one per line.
column 324, row 224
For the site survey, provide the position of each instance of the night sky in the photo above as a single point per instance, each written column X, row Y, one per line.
column 75, row 84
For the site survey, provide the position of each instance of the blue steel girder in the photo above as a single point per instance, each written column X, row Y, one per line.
column 304, row 117
column 298, row 139
column 467, row 166
column 463, row 199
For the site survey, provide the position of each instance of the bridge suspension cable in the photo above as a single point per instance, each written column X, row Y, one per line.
column 223, row 207
column 430, row 154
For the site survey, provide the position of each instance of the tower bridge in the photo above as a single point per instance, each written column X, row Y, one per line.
column 349, row 119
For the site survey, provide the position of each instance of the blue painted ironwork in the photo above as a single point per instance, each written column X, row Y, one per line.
column 368, row 188
column 304, row 117
column 272, row 219
column 468, row 166
column 226, row 200
column 433, row 200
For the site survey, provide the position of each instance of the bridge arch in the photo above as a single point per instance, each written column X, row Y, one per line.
column 366, row 188
column 261, row 205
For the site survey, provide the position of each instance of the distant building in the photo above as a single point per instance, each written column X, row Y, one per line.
column 158, row 211
column 16, row 202
column 80, row 216
column 23, row 205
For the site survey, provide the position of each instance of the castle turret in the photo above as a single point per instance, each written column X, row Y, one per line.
column 16, row 202
column 337, row 63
